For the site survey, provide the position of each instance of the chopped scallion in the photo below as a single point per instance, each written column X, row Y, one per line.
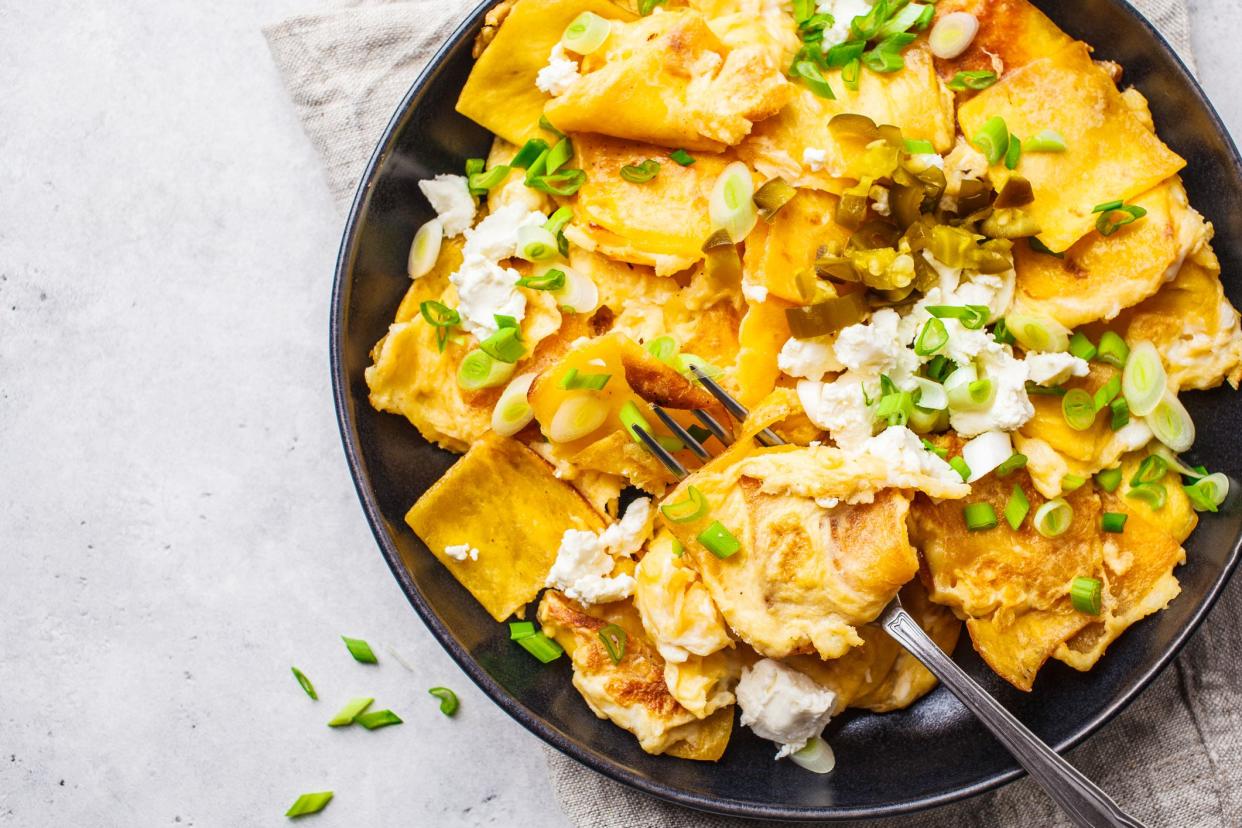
column 1054, row 518
column 586, row 33
column 939, row 451
column 1113, row 350
column 1082, row 347
column 1208, row 493
column 448, row 700
column 575, row 381
column 972, row 317
column 1106, row 393
column 719, row 540
column 993, row 139
column 541, row 647
column 1013, row 153
column 1151, row 470
column 682, row 157
column 1113, row 522
column 1078, row 409
column 1171, row 423
column 1144, row 379
column 959, row 466
column 976, row 80
column 360, row 650
column 377, row 719
column 919, row 147
column 551, row 279
column 632, row 418
column 1086, row 595
column 309, row 803
column 1116, row 214
column 521, row 629
column 1011, row 465
column 684, row 511
column 305, row 683
column 979, row 516
column 529, row 153
column 814, row 79
column 1072, row 483
column 642, row 172
column 1154, row 495
column 932, row 338
column 1047, row 141
column 505, row 345
column 1017, row 508
column 1119, row 414
column 1109, row 479
column 614, row 639
column 346, row 715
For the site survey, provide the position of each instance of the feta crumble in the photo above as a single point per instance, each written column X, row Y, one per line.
column 843, row 13
column 907, row 460
column 449, row 196
column 780, row 704
column 560, row 72
column 1011, row 408
column 807, row 359
column 584, row 560
column 461, row 551
column 1055, row 369
column 755, row 293
column 840, row 408
column 878, row 347
column 484, row 288
column 814, row 158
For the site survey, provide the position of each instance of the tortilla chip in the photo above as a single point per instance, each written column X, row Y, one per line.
column 779, row 251
column 500, row 93
column 503, row 478
column 1110, row 155
column 1012, row 33
column 763, row 332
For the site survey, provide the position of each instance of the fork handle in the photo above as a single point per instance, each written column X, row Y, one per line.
column 1078, row 796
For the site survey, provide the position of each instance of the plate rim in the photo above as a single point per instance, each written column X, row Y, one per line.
column 513, row 706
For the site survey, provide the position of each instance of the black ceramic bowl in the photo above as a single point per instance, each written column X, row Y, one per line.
column 930, row 754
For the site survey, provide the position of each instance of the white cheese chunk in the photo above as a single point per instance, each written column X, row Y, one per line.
column 780, row 704
column 450, row 197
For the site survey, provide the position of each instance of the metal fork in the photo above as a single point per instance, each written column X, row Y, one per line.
column 1081, row 799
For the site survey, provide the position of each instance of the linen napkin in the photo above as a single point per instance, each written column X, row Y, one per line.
column 1171, row 759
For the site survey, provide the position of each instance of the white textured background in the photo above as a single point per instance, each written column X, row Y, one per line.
column 177, row 525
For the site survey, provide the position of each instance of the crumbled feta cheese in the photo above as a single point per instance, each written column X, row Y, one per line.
column 449, row 196
column 926, row 160
column 843, row 13
column 780, row 704
column 755, row 293
column 584, row 559
column 878, row 347
column 814, row 158
column 879, row 199
column 827, row 502
column 560, row 73
column 484, row 288
column 807, row 358
column 1055, row 369
column 839, row 408
column 461, row 551
column 1011, row 408
column 626, row 536
column 906, row 459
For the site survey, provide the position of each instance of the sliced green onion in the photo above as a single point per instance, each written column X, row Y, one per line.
column 932, row 338
column 535, row 243
column 1154, row 495
column 926, row 420
column 479, row 370
column 641, row 173
column 1072, row 483
column 346, row 715
column 919, row 147
column 719, row 540
column 699, row 433
column 1143, row 380
column 632, row 419
column 505, row 345
column 940, row 367
column 1078, row 409
column 551, row 279
column 939, row 451
column 1114, row 215
column 425, row 249
column 1054, row 518
column 669, row 443
column 1113, row 350
column 557, row 221
column 867, row 26
column 993, row 139
column 1034, row 390
column 1000, row 332
column 547, row 126
column 886, row 56
column 448, row 700
column 1017, row 508
column 931, row 395
column 813, row 78
column 1013, row 154
column 1171, row 423
column 579, row 294
column 577, row 417
column 850, row 73
column 1208, row 493
column 1037, row 333
column 481, row 183
column 440, row 316
column 558, row 156
column 614, row 642
column 309, row 803
column 563, row 183
column 1039, row 247
column 586, row 33
column 686, row 511
column 1047, row 141
column 529, row 153
column 972, row 317
column 305, row 683
column 541, row 647
column 953, row 35
column 1082, row 347
column 360, row 650
column 682, row 157
column 1113, row 522
column 474, row 166
column 1109, row 479
column 979, row 516
column 663, row 348
column 521, row 629
column 817, row 756
column 971, row 396
column 1086, row 594
column 1017, row 461
column 1119, row 414
column 1107, row 392
column 732, row 205
column 895, row 409
column 513, row 411
column 905, row 19
column 772, row 196
column 377, row 719
column 573, row 380
column 959, row 466
column 845, row 53
column 1152, row 470
column 976, row 80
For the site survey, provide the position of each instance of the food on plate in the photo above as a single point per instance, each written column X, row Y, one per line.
column 940, row 250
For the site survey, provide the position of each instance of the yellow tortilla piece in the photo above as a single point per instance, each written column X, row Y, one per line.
column 662, row 223
column 1193, row 326
column 667, row 79
column 432, row 285
column 503, row 478
column 630, row 693
column 762, row 334
column 912, row 99
column 763, row 23
column 1012, row 33
column 500, row 93
column 778, row 251
column 1111, row 154
column 1102, row 275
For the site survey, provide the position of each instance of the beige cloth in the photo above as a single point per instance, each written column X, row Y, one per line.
column 1171, row 759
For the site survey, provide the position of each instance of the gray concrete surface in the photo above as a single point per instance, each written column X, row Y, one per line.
column 177, row 526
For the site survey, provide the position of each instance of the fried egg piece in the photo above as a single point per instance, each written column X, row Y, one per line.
column 675, row 606
column 913, row 100
column 1099, row 276
column 779, row 250
column 667, row 79
column 1110, row 153
column 632, row 693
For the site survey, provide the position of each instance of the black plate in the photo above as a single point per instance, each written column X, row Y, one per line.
column 930, row 754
